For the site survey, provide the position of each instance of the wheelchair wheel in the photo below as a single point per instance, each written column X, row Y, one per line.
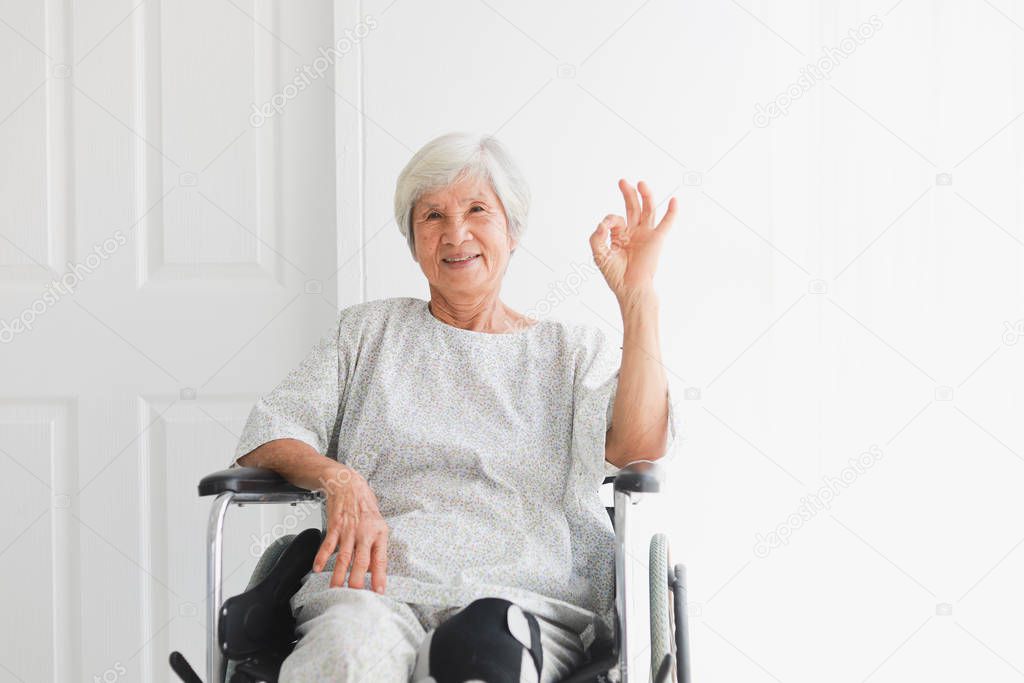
column 661, row 610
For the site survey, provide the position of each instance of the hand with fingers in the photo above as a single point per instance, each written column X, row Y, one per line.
column 355, row 529
column 626, row 249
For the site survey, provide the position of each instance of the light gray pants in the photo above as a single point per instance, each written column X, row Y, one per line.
column 364, row 636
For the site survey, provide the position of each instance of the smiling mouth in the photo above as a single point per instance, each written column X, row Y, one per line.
column 460, row 260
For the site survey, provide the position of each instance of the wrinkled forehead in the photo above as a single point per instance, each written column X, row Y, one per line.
column 466, row 190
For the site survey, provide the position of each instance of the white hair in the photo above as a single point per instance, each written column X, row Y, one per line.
column 447, row 159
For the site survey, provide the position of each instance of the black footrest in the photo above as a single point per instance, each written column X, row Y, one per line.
column 260, row 619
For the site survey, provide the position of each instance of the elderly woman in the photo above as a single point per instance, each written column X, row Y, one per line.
column 461, row 445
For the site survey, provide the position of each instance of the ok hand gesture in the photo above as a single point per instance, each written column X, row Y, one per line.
column 629, row 258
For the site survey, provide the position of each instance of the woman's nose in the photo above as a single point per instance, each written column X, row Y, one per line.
column 456, row 230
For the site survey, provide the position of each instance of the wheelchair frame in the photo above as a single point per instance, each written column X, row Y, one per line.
column 250, row 485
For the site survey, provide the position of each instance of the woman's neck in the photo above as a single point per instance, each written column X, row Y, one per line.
column 486, row 314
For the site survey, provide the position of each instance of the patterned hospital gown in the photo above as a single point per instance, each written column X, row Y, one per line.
column 485, row 451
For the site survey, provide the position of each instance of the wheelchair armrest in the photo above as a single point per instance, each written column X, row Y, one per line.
column 640, row 477
column 246, row 480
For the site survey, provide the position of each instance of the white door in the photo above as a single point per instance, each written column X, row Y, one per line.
column 165, row 255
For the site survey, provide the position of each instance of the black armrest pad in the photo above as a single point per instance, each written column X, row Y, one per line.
column 246, row 480
column 640, row 477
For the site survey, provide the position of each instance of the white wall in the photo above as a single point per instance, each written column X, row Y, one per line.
column 843, row 277
column 824, row 293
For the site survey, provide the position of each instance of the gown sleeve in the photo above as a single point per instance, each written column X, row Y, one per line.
column 597, row 379
column 305, row 405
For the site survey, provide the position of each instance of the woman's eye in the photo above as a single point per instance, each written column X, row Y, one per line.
column 477, row 207
column 433, row 214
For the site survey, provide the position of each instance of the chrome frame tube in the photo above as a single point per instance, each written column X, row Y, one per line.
column 623, row 501
column 216, row 665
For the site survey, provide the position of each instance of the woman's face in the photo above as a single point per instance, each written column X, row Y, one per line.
column 465, row 219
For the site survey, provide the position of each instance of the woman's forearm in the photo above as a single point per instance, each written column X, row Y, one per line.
column 298, row 462
column 640, row 415
column 355, row 529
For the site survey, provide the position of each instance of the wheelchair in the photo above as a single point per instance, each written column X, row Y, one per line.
column 252, row 633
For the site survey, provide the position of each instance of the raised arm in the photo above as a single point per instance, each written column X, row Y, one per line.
column 626, row 249
column 639, row 429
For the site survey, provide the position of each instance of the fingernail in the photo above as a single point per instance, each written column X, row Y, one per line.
column 380, row 589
